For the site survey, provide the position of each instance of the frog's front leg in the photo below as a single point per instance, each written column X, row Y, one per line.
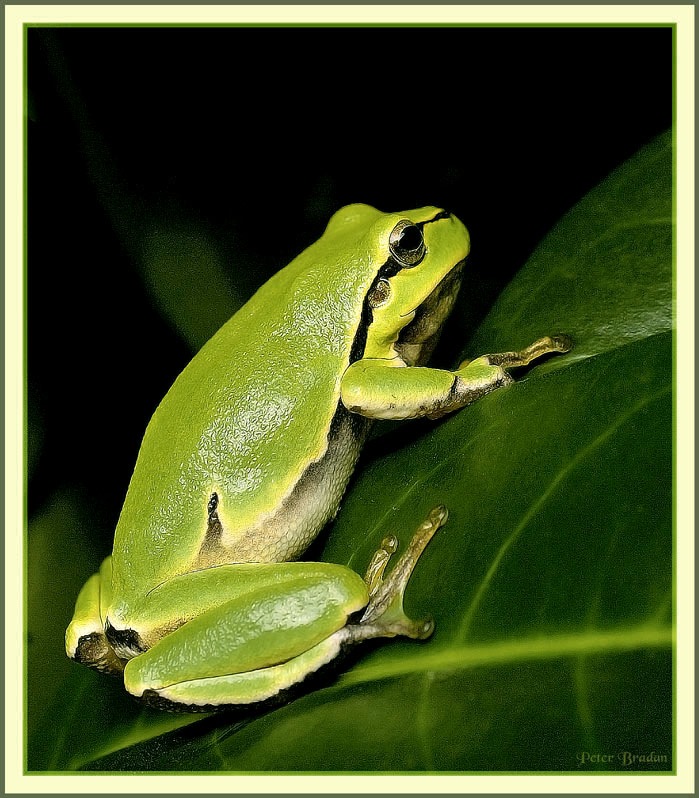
column 385, row 389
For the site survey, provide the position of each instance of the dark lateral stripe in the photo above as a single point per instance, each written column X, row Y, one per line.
column 455, row 390
column 214, row 527
column 388, row 269
column 359, row 342
column 435, row 218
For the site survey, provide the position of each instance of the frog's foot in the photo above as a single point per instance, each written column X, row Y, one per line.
column 86, row 641
column 542, row 346
column 384, row 615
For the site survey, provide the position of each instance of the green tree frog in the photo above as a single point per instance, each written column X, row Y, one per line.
column 202, row 603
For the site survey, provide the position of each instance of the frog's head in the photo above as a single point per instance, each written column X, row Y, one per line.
column 418, row 259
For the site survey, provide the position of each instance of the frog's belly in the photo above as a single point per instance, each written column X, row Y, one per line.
column 314, row 499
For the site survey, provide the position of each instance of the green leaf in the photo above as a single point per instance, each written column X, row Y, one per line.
column 603, row 274
column 551, row 584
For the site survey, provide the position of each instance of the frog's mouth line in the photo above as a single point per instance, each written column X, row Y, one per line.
column 444, row 287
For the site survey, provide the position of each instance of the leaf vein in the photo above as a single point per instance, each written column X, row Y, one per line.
column 543, row 498
column 503, row 653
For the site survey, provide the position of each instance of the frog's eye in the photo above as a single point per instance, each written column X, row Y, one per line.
column 406, row 244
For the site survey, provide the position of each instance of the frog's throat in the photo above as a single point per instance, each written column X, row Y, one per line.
column 417, row 340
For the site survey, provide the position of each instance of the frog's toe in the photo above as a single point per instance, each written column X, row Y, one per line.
column 384, row 615
column 561, row 342
column 91, row 648
column 86, row 641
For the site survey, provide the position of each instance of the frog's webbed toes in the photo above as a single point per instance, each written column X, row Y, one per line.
column 93, row 649
column 384, row 615
column 86, row 641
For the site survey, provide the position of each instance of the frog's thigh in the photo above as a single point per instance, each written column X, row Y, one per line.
column 85, row 638
column 186, row 596
column 252, row 632
column 249, row 687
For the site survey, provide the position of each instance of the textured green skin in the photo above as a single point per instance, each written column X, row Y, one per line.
column 249, row 632
column 208, row 612
column 248, row 687
column 217, row 428
column 241, row 466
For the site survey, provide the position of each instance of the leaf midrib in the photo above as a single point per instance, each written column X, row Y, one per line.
column 510, row 652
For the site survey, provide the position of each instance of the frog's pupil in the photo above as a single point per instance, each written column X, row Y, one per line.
column 410, row 238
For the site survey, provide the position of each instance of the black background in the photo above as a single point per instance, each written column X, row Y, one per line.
column 253, row 137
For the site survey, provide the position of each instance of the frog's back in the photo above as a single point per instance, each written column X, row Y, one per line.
column 246, row 419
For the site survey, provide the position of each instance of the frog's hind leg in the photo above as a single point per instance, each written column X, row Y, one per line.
column 86, row 641
column 384, row 615
column 273, row 625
